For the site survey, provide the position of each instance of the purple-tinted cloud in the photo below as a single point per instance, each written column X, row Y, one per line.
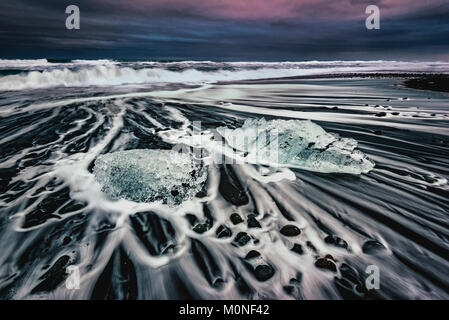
column 226, row 29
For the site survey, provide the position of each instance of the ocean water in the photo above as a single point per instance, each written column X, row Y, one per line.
column 360, row 183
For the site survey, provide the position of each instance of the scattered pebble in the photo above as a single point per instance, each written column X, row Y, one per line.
column 236, row 218
column 66, row 241
column 253, row 223
column 297, row 248
column 201, row 194
column 201, row 227
column 263, row 272
column 336, row 241
column 290, row 231
column 324, row 263
column 372, row 247
column 252, row 254
column 223, row 232
column 241, row 239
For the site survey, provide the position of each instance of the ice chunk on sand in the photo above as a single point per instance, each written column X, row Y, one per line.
column 150, row 175
column 296, row 143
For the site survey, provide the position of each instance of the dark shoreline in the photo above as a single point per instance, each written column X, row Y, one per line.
column 421, row 81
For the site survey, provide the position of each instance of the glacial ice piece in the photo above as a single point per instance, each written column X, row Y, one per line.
column 296, row 143
column 150, row 175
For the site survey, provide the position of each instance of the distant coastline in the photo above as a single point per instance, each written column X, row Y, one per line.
column 421, row 81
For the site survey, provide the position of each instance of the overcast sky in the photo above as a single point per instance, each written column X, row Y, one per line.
column 225, row 29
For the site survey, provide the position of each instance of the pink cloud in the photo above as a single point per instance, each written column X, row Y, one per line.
column 281, row 9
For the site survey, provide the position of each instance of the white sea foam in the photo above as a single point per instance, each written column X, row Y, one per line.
column 17, row 63
column 27, row 64
column 84, row 73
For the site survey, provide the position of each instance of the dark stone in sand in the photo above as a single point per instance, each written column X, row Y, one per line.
column 201, row 194
column 236, row 218
column 252, row 254
column 293, row 288
column 253, row 223
column 381, row 114
column 395, row 113
column 297, row 248
column 66, row 241
column 230, row 187
column 435, row 82
column 324, row 263
column 328, row 256
column 201, row 227
column 241, row 239
column 289, row 289
column 430, row 179
column 174, row 192
column 336, row 241
column 372, row 247
column 263, row 272
column 223, row 232
column 261, row 269
column 290, row 231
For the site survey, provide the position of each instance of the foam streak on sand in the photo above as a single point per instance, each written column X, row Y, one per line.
column 89, row 178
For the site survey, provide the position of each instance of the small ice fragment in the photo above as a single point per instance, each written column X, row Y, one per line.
column 150, row 175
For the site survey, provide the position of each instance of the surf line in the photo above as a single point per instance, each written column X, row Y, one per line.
column 191, row 310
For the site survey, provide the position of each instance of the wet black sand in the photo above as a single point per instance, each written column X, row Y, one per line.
column 309, row 238
column 422, row 81
column 437, row 82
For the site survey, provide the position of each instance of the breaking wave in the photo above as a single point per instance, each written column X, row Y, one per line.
column 83, row 73
column 114, row 75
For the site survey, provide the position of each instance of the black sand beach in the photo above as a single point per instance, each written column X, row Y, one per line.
column 364, row 183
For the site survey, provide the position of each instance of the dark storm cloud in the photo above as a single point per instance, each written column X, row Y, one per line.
column 224, row 30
